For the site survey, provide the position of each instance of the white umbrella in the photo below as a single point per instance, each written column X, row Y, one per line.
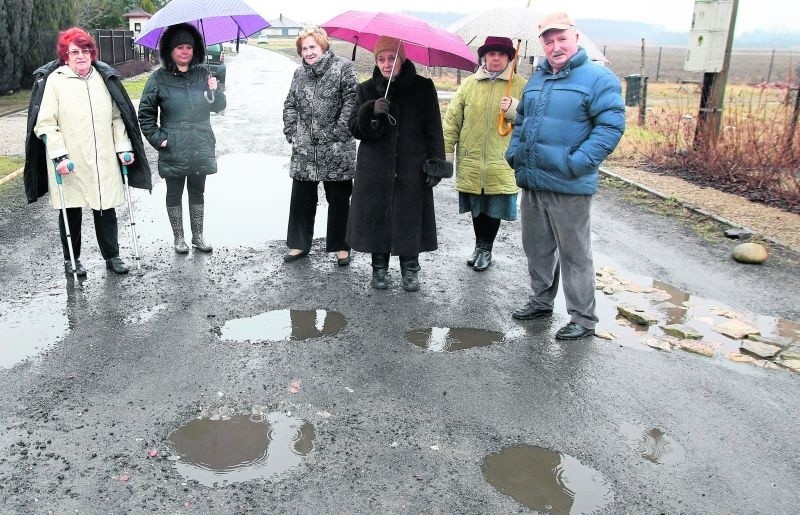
column 515, row 23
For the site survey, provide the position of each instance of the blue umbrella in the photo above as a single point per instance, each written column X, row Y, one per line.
column 217, row 20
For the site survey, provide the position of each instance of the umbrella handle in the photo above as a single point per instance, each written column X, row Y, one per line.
column 504, row 127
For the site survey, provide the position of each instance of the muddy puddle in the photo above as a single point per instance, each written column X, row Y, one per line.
column 653, row 444
column 451, row 339
column 547, row 481
column 283, row 325
column 242, row 448
column 264, row 184
column 32, row 323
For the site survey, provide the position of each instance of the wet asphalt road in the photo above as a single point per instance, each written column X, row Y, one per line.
column 93, row 379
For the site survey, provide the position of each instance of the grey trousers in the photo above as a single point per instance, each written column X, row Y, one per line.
column 556, row 238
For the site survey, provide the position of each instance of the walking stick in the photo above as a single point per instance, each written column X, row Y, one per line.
column 59, row 181
column 127, row 158
column 504, row 127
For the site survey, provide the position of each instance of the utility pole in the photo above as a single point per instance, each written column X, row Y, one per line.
column 712, row 96
column 642, row 90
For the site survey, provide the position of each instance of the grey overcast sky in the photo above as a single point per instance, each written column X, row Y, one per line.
column 672, row 14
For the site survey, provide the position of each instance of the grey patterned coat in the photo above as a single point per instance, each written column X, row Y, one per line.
column 315, row 117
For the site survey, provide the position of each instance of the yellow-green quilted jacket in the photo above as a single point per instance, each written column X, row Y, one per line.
column 470, row 127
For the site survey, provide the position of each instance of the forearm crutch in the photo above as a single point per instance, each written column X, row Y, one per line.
column 59, row 181
column 135, row 239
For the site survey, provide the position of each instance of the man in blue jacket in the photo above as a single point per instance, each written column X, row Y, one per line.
column 570, row 119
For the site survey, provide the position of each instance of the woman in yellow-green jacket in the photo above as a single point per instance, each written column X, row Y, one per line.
column 486, row 184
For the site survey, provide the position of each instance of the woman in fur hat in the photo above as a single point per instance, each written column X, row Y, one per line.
column 182, row 92
column 400, row 158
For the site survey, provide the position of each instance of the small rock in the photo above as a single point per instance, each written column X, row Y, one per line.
column 434, row 447
column 738, row 234
column 704, row 349
column 608, row 290
column 636, row 315
column 323, row 414
column 605, row 335
column 349, row 389
column 682, row 331
column 725, row 313
column 792, row 364
column 770, row 341
column 735, row 329
column 752, row 253
column 393, row 445
column 740, row 358
column 154, row 453
column 792, row 353
column 124, row 478
column 763, row 363
column 760, row 350
column 656, row 344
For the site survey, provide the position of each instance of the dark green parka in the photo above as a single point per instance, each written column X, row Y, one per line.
column 173, row 107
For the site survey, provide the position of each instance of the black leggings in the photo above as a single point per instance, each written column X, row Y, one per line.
column 195, row 184
column 485, row 228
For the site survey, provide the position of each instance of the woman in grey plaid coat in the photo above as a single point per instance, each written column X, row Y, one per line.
column 315, row 115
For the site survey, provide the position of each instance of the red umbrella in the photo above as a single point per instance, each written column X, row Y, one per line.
column 424, row 44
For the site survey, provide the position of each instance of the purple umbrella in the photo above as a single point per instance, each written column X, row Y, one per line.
column 217, row 20
column 424, row 44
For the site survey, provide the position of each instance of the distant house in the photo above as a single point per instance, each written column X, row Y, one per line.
column 283, row 27
column 136, row 19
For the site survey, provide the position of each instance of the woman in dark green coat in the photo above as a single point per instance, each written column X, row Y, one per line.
column 185, row 94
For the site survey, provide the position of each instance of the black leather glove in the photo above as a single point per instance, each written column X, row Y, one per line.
column 382, row 106
column 431, row 181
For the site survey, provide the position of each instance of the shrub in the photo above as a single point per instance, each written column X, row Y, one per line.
column 757, row 152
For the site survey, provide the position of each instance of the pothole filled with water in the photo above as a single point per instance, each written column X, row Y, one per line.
column 242, row 448
column 654, row 444
column 30, row 324
column 546, row 480
column 451, row 339
column 283, row 325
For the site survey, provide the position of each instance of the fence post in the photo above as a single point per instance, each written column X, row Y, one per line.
column 771, row 62
column 658, row 66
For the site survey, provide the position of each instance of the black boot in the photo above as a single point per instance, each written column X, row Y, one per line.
column 175, row 214
column 409, row 266
column 196, row 221
column 380, row 271
column 484, row 258
column 474, row 256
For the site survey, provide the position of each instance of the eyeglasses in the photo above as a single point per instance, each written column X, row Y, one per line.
column 76, row 53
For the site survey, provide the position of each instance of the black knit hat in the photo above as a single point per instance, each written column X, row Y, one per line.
column 180, row 37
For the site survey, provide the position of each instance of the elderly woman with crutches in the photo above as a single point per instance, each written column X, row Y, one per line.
column 81, row 110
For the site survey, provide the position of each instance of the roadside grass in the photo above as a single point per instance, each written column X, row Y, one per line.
column 135, row 85
column 9, row 164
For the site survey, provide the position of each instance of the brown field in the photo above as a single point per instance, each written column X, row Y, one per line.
column 747, row 66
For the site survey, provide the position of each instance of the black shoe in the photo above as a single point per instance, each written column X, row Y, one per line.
column 288, row 258
column 573, row 331
column 343, row 261
column 473, row 257
column 483, row 260
column 380, row 278
column 410, row 280
column 529, row 312
column 79, row 270
column 117, row 265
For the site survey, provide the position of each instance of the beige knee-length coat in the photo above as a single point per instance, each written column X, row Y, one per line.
column 80, row 120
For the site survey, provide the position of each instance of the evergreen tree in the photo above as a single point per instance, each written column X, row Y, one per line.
column 15, row 22
column 49, row 17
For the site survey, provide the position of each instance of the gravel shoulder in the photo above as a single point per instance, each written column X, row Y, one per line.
column 775, row 224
